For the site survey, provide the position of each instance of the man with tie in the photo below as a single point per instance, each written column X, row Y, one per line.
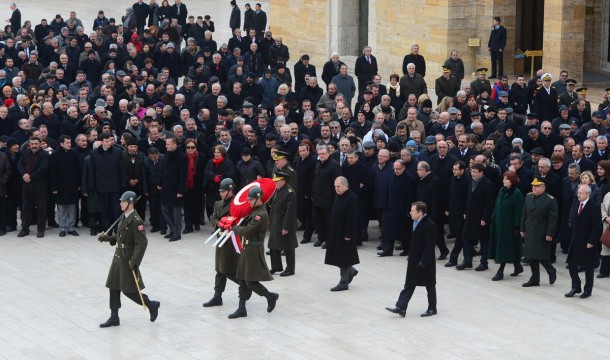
column 495, row 45
column 584, row 252
column 421, row 268
column 366, row 68
column 538, row 228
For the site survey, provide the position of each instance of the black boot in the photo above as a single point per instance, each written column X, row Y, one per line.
column 214, row 301
column 271, row 300
column 153, row 308
column 113, row 320
column 241, row 310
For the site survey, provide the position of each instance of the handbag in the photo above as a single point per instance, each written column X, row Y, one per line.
column 605, row 239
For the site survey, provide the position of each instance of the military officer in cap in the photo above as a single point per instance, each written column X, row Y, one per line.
column 446, row 85
column 226, row 257
column 252, row 267
column 283, row 227
column 538, row 227
column 131, row 242
column 481, row 83
column 545, row 99
column 582, row 95
column 568, row 96
column 605, row 104
column 281, row 165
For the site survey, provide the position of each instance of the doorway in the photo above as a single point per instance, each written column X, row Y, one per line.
column 529, row 29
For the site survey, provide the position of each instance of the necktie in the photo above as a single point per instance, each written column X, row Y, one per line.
column 178, row 10
column 368, row 59
column 463, row 153
column 342, row 158
column 580, row 209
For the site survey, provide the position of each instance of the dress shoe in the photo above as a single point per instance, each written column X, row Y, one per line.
column 497, row 277
column 168, row 235
column 187, row 231
column 353, row 272
column 53, row 224
column 401, row 312
column 530, row 284
column 318, row 243
column 62, row 233
column 481, row 267
column 443, row 256
column 429, row 313
column 23, row 233
column 73, row 233
column 518, row 270
column 399, row 247
column 40, row 234
column 287, row 273
column 463, row 266
column 273, row 271
column 450, row 263
column 113, row 320
column 572, row 293
column 601, row 276
column 404, row 253
column 240, row 312
column 380, row 247
column 154, row 310
column 383, row 254
column 340, row 287
column 162, row 232
column 324, row 246
column 585, row 295
column 175, row 238
column 216, row 300
column 305, row 241
column 553, row 277
column 271, row 301
column 154, row 230
column 197, row 227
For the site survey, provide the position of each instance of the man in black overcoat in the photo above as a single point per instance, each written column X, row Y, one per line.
column 427, row 192
column 421, row 269
column 457, row 207
column 322, row 194
column 173, row 188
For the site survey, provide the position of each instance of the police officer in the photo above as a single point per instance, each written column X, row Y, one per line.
column 252, row 267
column 283, row 227
column 226, row 257
column 131, row 242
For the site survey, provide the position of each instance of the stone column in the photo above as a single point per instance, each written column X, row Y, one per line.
column 344, row 26
column 564, row 37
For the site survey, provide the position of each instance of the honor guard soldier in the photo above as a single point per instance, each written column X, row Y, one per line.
column 283, row 227
column 226, row 257
column 481, row 83
column 252, row 267
column 124, row 275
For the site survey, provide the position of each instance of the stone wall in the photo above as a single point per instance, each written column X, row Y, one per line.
column 594, row 28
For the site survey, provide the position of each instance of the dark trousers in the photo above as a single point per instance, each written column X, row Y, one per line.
column 157, row 220
column 247, row 287
column 141, row 205
column 51, row 208
column 345, row 272
column 173, row 216
column 33, row 199
column 407, row 293
column 457, row 247
column 14, row 202
column 220, row 281
column 604, row 268
column 321, row 220
column 82, row 209
column 468, row 247
column 110, row 209
column 3, row 212
column 192, row 214
column 440, row 235
column 576, row 279
column 276, row 260
column 115, row 299
column 304, row 217
column 535, row 266
column 497, row 62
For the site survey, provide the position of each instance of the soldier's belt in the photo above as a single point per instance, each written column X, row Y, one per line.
column 126, row 247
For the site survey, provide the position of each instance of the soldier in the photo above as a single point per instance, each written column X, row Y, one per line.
column 252, row 267
column 131, row 243
column 538, row 226
column 281, row 165
column 569, row 96
column 545, row 99
column 226, row 257
column 446, row 85
column 481, row 84
column 283, row 227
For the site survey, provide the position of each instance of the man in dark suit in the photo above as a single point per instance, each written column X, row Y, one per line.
column 463, row 151
column 260, row 20
column 15, row 19
column 421, row 270
column 538, row 228
column 179, row 12
column 583, row 252
column 479, row 207
column 495, row 45
column 235, row 19
column 457, row 207
column 33, row 169
column 366, row 68
column 584, row 163
column 427, row 192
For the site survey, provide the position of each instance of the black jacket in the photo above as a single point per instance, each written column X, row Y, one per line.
column 173, row 180
column 323, row 185
column 65, row 176
column 40, row 169
column 106, row 170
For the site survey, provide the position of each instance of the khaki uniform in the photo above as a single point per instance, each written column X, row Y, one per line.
column 283, row 217
column 226, row 258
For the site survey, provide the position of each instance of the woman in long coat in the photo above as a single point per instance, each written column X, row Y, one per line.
column 505, row 245
column 194, row 188
column 341, row 250
column 604, row 269
column 218, row 168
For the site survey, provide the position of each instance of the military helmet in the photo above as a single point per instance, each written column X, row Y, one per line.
column 128, row 196
column 226, row 184
column 255, row 193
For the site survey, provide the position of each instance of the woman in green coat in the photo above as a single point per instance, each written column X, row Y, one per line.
column 505, row 245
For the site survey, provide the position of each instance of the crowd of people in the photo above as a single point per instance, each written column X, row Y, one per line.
column 155, row 105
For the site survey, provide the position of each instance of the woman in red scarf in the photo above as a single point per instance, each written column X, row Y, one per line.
column 194, row 187
column 218, row 168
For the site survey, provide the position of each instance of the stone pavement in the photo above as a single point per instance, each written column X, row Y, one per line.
column 53, row 297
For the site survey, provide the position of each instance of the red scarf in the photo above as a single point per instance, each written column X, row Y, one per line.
column 190, row 176
column 217, row 161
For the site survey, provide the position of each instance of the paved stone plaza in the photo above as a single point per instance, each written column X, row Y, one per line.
column 53, row 296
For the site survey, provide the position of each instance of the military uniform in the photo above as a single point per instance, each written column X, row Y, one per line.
column 545, row 103
column 446, row 87
column 283, row 217
column 291, row 178
column 226, row 257
column 567, row 99
column 478, row 86
column 538, row 220
column 131, row 244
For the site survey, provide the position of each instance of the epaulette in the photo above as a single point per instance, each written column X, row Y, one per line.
column 551, row 196
column 539, row 87
column 289, row 190
column 529, row 193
